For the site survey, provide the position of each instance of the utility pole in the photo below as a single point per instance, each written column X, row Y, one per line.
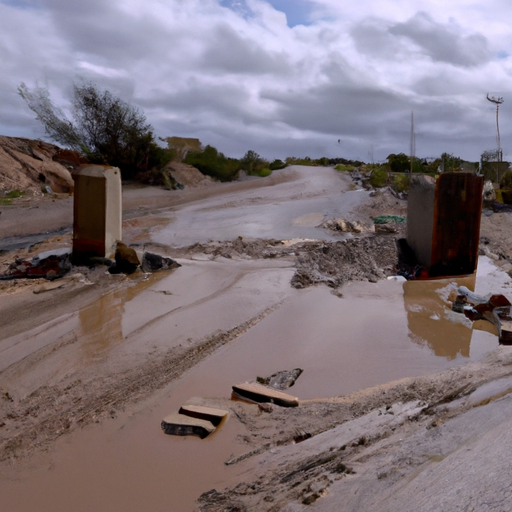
column 497, row 100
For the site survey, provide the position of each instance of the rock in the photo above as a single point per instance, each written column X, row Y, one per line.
column 126, row 258
column 153, row 262
column 281, row 380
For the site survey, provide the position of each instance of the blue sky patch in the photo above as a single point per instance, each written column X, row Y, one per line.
column 297, row 11
column 21, row 4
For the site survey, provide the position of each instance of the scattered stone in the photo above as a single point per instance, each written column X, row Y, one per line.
column 153, row 262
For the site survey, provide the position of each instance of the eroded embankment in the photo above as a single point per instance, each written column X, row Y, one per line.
column 358, row 436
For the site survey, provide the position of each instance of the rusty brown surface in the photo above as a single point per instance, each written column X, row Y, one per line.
column 457, row 211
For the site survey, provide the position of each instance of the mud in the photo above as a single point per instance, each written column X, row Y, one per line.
column 94, row 367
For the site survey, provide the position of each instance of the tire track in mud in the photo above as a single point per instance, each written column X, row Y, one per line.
column 37, row 420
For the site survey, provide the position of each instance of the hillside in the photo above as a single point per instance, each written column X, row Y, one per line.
column 31, row 165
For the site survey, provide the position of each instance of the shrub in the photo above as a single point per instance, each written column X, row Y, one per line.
column 378, row 178
column 14, row 194
column 401, row 182
column 263, row 173
column 214, row 164
column 506, row 181
column 343, row 168
column 277, row 164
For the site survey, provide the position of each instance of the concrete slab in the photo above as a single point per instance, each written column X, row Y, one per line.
column 214, row 416
column 180, row 425
column 259, row 393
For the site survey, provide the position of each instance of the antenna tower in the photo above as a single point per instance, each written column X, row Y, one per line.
column 497, row 100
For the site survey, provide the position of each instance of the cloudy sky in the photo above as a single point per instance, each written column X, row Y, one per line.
column 280, row 77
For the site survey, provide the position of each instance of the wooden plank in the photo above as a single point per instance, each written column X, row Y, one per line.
column 215, row 416
column 181, row 425
column 259, row 393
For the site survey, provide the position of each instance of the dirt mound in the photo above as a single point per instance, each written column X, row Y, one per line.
column 29, row 165
column 188, row 176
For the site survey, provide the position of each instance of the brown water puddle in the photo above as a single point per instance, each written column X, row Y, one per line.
column 374, row 334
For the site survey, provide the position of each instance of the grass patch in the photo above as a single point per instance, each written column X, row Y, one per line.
column 4, row 202
column 262, row 173
column 343, row 168
column 14, row 194
column 378, row 178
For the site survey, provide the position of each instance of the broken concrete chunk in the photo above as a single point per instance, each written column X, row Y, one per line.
column 181, row 425
column 259, row 393
column 153, row 262
column 214, row 416
column 281, row 380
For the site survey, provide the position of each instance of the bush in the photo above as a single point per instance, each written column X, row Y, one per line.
column 214, row 164
column 378, row 178
column 506, row 181
column 401, row 182
column 343, row 168
column 277, row 164
column 263, row 173
column 253, row 163
column 14, row 194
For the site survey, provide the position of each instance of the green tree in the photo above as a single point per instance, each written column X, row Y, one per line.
column 104, row 128
column 399, row 163
column 450, row 162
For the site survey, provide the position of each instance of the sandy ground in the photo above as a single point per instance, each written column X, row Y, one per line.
column 97, row 352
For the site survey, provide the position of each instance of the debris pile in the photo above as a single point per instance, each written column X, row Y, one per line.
column 493, row 308
column 51, row 267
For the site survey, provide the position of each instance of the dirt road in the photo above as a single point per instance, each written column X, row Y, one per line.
column 88, row 370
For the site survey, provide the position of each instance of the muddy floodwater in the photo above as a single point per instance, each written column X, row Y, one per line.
column 374, row 334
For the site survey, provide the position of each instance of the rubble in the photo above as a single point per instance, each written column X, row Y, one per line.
column 51, row 267
column 493, row 308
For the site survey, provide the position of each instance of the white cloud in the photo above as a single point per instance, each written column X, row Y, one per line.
column 240, row 77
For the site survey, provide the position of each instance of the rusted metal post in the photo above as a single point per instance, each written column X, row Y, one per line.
column 456, row 227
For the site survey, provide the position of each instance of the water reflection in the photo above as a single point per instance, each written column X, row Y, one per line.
column 100, row 323
column 431, row 320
